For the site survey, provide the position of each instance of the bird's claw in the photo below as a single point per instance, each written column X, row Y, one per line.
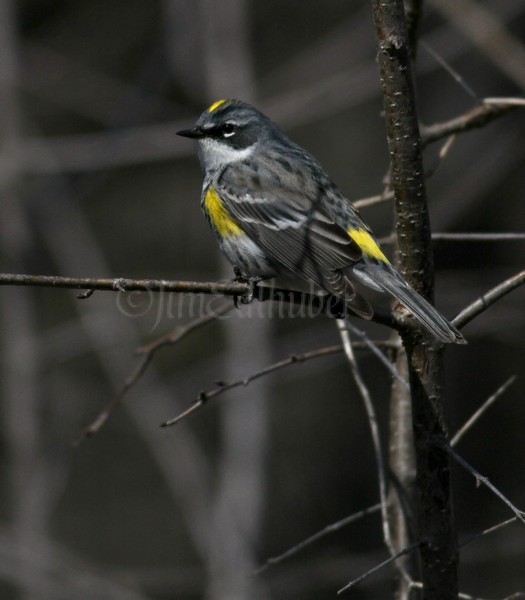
column 251, row 281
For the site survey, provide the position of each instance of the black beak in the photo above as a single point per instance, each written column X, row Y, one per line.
column 195, row 133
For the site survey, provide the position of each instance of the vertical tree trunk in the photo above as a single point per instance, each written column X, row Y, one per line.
column 436, row 528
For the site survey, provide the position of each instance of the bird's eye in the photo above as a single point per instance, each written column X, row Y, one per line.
column 228, row 129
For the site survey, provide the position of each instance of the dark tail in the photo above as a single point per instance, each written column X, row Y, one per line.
column 424, row 312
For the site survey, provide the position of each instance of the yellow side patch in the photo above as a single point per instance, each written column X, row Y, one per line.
column 367, row 243
column 216, row 105
column 219, row 217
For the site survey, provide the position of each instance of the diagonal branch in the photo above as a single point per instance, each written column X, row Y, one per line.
column 456, row 438
column 520, row 515
column 317, row 536
column 147, row 355
column 225, row 387
column 478, row 116
column 488, row 299
column 386, row 562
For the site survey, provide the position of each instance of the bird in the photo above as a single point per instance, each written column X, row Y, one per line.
column 274, row 210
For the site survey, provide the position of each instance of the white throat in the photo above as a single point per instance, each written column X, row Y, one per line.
column 216, row 154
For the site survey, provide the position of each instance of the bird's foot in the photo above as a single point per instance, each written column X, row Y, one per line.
column 251, row 281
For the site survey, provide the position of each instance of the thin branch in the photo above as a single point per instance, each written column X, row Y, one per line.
column 147, row 355
column 450, row 70
column 461, row 596
column 413, row 11
column 502, row 100
column 488, row 299
column 317, row 536
column 182, row 331
column 477, row 237
column 386, row 562
column 294, row 359
column 463, row 237
column 487, row 531
column 374, row 430
column 379, row 354
column 485, row 30
column 385, row 196
column 122, row 284
column 485, row 481
column 314, row 304
column 224, row 387
column 478, row 116
column 481, row 411
column 408, row 549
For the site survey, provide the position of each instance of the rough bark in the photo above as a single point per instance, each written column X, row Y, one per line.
column 439, row 556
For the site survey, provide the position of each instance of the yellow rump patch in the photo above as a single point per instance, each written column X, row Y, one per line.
column 216, row 105
column 218, row 215
column 367, row 243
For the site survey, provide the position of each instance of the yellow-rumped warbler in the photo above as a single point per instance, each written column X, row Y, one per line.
column 274, row 210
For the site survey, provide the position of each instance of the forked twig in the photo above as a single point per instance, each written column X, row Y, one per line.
column 147, row 355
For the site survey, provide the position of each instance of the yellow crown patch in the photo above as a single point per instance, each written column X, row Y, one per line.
column 216, row 105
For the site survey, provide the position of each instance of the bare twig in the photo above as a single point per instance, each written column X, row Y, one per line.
column 385, row 196
column 374, row 430
column 463, row 237
column 485, row 481
column 462, row 596
column 450, row 70
column 317, row 536
column 386, row 562
column 487, row 531
column 478, row 237
column 481, row 411
column 122, row 284
column 485, row 30
column 315, row 304
column 478, row 116
column 147, row 355
column 408, row 549
column 291, row 360
column 502, row 100
column 413, row 11
column 182, row 331
column 224, row 387
column 488, row 299
column 377, row 352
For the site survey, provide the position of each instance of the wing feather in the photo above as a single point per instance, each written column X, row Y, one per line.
column 286, row 221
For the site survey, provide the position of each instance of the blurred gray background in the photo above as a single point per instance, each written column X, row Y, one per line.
column 94, row 182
